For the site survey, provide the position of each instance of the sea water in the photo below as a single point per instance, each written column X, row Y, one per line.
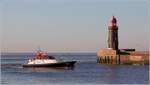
column 86, row 71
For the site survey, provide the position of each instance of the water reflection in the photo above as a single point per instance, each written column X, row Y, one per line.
column 48, row 69
column 19, row 67
column 123, row 74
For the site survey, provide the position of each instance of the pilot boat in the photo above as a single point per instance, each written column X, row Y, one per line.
column 43, row 60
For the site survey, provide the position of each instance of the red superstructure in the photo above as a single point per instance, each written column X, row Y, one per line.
column 40, row 55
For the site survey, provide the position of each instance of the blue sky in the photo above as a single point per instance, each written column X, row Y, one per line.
column 72, row 25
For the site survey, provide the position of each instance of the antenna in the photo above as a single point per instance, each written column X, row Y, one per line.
column 39, row 50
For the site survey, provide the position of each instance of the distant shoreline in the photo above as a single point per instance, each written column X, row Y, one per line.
column 68, row 53
column 50, row 53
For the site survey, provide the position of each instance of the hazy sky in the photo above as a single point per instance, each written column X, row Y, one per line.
column 71, row 25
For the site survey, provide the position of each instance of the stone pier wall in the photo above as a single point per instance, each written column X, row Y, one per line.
column 110, row 56
column 135, row 58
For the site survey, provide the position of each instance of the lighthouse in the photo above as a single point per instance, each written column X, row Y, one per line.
column 114, row 55
column 113, row 33
column 111, row 54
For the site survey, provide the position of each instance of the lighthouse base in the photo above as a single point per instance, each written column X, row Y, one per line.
column 108, row 56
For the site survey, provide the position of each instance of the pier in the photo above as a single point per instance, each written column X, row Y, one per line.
column 114, row 55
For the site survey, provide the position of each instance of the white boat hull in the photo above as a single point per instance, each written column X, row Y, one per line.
column 58, row 64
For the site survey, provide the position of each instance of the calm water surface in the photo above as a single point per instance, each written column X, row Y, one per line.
column 86, row 71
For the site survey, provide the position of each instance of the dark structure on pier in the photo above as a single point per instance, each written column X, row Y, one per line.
column 114, row 55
